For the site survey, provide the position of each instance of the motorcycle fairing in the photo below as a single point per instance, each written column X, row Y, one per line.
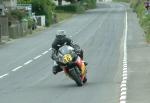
column 81, row 66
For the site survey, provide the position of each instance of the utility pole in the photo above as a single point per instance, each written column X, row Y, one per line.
column 2, row 13
column 0, row 31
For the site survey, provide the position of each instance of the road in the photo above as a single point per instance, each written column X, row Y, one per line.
column 25, row 64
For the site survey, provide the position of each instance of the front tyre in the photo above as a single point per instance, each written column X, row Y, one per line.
column 85, row 80
column 76, row 76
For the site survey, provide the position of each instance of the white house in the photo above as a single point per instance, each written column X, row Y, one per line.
column 1, row 8
column 10, row 4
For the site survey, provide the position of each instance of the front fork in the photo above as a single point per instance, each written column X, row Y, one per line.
column 80, row 66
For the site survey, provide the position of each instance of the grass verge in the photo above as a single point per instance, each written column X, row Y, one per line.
column 61, row 15
column 121, row 0
column 143, row 15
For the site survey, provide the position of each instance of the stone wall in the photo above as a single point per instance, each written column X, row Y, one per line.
column 4, row 27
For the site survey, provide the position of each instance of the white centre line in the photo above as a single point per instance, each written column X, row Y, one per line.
column 37, row 57
column 17, row 68
column 50, row 49
column 45, row 52
column 2, row 76
column 28, row 62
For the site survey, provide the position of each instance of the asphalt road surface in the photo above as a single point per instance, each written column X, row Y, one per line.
column 26, row 67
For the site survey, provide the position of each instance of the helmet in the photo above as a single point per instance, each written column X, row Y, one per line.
column 61, row 34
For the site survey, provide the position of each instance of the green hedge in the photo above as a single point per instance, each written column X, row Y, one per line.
column 139, row 8
column 77, row 8
column 89, row 4
column 67, row 8
column 121, row 0
column 43, row 7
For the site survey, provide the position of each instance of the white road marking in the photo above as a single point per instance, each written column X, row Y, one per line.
column 124, row 82
column 123, row 89
column 125, row 78
column 45, row 52
column 123, row 95
column 124, row 68
column 2, row 76
column 123, row 85
column 26, row 63
column 123, row 102
column 37, row 57
column 17, row 68
column 124, row 75
column 50, row 49
column 125, row 71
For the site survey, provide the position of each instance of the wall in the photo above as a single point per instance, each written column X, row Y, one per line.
column 4, row 27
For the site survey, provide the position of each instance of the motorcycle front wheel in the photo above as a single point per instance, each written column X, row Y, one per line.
column 75, row 75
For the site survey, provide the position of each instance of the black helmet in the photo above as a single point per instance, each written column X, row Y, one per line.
column 60, row 34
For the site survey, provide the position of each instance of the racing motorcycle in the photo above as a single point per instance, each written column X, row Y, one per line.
column 73, row 66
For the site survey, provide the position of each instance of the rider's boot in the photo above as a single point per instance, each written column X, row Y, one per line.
column 56, row 69
column 85, row 63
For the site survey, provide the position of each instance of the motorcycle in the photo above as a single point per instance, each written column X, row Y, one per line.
column 72, row 65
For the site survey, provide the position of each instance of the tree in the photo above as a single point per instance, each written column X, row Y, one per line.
column 24, row 1
column 60, row 2
column 72, row 1
column 43, row 7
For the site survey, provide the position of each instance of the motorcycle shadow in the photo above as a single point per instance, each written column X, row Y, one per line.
column 73, row 85
column 60, row 86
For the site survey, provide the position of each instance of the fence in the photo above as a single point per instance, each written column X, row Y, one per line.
column 12, row 29
column 4, row 27
column 18, row 29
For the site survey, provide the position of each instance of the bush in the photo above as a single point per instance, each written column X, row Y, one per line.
column 145, row 22
column 16, row 14
column 43, row 7
column 67, row 8
column 122, row 0
column 30, row 23
column 138, row 7
column 71, row 8
column 24, row 1
column 89, row 4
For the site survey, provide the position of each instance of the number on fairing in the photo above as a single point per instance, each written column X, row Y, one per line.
column 67, row 58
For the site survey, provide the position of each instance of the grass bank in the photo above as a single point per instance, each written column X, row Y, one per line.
column 143, row 15
column 121, row 0
column 61, row 15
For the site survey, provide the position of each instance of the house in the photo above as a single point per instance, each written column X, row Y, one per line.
column 1, row 8
column 7, row 4
column 10, row 4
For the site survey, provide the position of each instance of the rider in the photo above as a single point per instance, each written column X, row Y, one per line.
column 59, row 41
